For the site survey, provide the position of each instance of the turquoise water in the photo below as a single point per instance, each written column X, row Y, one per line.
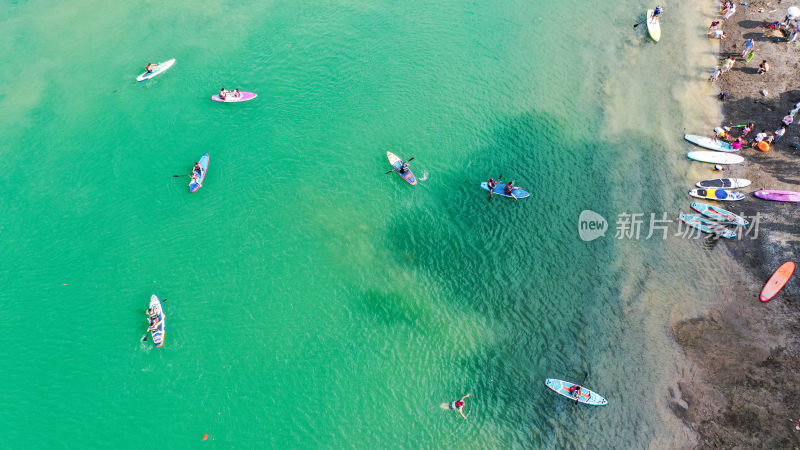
column 314, row 301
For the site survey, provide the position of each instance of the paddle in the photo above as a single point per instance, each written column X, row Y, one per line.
column 144, row 338
column 393, row 166
column 491, row 191
column 581, row 385
column 178, row 176
column 645, row 20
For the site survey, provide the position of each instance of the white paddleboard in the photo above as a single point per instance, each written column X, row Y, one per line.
column 162, row 67
column 653, row 27
column 707, row 142
column 715, row 157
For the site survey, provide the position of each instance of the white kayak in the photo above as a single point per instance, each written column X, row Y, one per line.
column 711, row 144
column 715, row 157
column 161, row 68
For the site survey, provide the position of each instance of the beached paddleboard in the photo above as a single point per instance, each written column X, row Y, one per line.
column 229, row 98
column 396, row 163
column 158, row 333
column 706, row 142
column 162, row 67
column 716, row 194
column 778, row 196
column 587, row 396
column 724, row 183
column 706, row 226
column 197, row 183
column 777, row 281
column 715, row 157
column 653, row 26
column 500, row 190
column 720, row 215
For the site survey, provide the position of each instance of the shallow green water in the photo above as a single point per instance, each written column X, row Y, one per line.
column 312, row 300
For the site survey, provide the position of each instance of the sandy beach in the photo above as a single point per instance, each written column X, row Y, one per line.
column 739, row 386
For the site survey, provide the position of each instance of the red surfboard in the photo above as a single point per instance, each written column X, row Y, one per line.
column 777, row 281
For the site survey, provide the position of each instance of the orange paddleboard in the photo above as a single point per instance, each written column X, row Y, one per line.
column 777, row 281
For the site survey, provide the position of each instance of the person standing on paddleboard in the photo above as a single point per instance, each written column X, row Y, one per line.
column 459, row 406
column 656, row 12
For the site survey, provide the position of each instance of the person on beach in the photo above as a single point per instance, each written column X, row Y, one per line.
column 715, row 75
column 747, row 129
column 729, row 10
column 150, row 68
column 727, row 64
column 656, row 12
column 718, row 168
column 459, row 406
column 780, row 132
column 223, row 93
column 748, row 47
column 716, row 34
column 759, row 137
column 763, row 67
column 737, row 144
column 714, row 25
column 787, row 119
column 719, row 133
column 491, row 184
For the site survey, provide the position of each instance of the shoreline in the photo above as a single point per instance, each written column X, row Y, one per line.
column 743, row 356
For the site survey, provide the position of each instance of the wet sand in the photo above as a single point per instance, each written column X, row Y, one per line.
column 740, row 380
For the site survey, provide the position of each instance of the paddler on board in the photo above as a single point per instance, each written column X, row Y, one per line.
column 657, row 12
column 150, row 68
column 223, row 93
column 152, row 319
column 575, row 392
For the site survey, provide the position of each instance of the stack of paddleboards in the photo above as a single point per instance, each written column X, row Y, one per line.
column 713, row 219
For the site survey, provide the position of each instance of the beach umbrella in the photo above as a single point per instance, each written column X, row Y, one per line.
column 793, row 11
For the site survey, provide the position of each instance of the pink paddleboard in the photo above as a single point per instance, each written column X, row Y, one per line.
column 243, row 97
column 779, row 196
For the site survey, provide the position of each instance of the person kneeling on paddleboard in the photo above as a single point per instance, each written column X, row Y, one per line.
column 154, row 323
column 459, row 406
column 575, row 392
column 150, row 68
